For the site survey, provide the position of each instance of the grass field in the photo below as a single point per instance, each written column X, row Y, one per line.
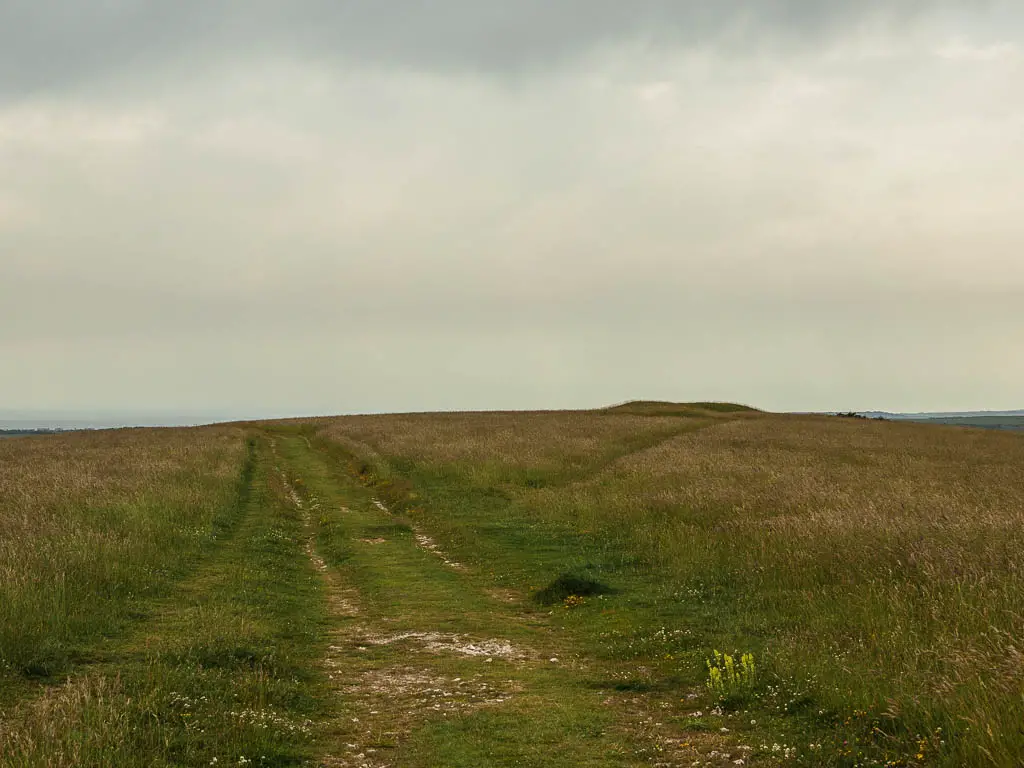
column 530, row 589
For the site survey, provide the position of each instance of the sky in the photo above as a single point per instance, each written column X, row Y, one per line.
column 309, row 207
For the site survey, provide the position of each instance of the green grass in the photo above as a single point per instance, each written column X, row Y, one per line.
column 515, row 589
column 94, row 527
column 868, row 567
column 223, row 669
column 553, row 703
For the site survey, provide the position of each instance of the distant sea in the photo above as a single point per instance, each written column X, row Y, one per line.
column 1006, row 420
column 929, row 415
column 54, row 420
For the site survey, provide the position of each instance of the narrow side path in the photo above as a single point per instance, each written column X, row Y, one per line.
column 223, row 673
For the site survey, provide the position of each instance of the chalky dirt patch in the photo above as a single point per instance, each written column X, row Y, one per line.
column 382, row 698
column 439, row 642
column 423, row 541
column 506, row 595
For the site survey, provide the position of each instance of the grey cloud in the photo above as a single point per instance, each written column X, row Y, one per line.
column 56, row 44
column 324, row 356
column 326, row 227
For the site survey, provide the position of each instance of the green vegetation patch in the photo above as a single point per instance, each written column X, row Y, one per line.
column 663, row 408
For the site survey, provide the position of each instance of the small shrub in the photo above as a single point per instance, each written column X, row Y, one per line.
column 570, row 585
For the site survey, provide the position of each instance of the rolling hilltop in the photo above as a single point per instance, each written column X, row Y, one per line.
column 648, row 584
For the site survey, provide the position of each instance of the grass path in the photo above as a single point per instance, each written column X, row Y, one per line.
column 222, row 671
column 431, row 663
column 323, row 629
column 354, row 609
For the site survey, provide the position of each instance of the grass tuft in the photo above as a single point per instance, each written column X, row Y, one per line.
column 569, row 585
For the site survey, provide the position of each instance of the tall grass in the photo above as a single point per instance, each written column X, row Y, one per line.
column 884, row 560
column 877, row 565
column 225, row 672
column 495, row 448
column 93, row 523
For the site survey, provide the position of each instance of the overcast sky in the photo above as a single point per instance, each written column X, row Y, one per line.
column 318, row 206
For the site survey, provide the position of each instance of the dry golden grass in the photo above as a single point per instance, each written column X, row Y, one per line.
column 552, row 441
column 52, row 738
column 810, row 480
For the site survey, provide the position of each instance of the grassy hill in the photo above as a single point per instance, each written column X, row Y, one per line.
column 661, row 408
column 647, row 584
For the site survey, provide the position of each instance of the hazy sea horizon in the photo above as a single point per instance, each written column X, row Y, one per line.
column 11, row 419
column 71, row 420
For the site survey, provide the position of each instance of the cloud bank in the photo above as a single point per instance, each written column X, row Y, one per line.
column 324, row 207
